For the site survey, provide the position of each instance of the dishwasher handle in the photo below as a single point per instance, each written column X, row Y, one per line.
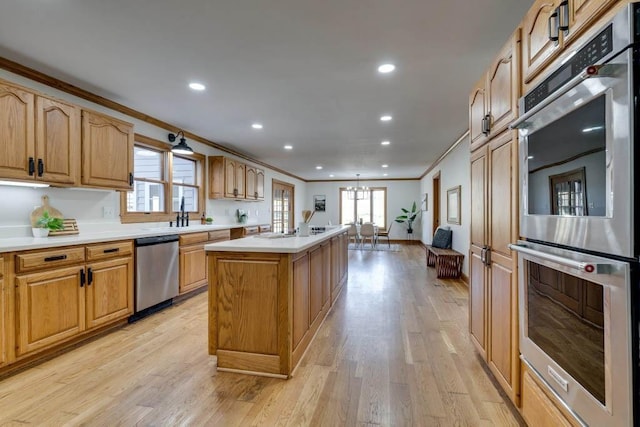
column 156, row 240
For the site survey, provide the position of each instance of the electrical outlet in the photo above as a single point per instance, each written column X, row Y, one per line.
column 108, row 212
column 257, row 213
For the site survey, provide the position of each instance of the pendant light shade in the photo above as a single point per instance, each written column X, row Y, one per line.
column 181, row 147
column 358, row 192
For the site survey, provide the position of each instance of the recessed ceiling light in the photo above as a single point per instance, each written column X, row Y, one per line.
column 385, row 166
column 386, row 118
column 385, row 143
column 385, row 174
column 197, row 86
column 257, row 125
column 331, row 176
column 386, row 68
column 318, row 167
column 288, row 147
column 592, row 129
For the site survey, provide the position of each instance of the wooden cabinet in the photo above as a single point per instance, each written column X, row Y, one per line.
column 339, row 264
column 41, row 137
column 4, row 343
column 537, row 407
column 107, row 152
column 255, row 183
column 193, row 258
column 60, row 296
column 493, row 317
column 232, row 179
column 552, row 25
column 493, row 102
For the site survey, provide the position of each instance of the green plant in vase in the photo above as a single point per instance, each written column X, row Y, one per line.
column 408, row 217
column 46, row 223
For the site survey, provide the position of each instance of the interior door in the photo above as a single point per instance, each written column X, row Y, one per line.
column 282, row 207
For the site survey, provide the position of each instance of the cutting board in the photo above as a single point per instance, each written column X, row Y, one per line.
column 37, row 212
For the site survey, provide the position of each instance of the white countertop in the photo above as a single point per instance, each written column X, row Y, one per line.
column 26, row 243
column 288, row 245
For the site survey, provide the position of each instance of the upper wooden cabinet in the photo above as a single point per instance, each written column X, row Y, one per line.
column 493, row 102
column 231, row 179
column 255, row 183
column 107, row 151
column 551, row 25
column 41, row 137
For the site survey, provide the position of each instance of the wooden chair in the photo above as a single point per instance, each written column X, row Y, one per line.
column 352, row 233
column 385, row 234
column 367, row 231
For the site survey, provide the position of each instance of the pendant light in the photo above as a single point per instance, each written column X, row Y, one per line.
column 358, row 192
column 181, row 147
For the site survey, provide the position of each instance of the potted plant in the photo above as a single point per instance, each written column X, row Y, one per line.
column 46, row 223
column 242, row 216
column 408, row 217
column 208, row 220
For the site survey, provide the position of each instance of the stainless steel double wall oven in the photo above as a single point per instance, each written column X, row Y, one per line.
column 578, row 264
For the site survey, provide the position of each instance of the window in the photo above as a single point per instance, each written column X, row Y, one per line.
column 373, row 209
column 160, row 181
column 282, row 207
column 568, row 193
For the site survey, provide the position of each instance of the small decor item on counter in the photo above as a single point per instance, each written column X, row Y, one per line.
column 303, row 229
column 307, row 215
column 39, row 211
column 46, row 223
column 208, row 220
column 203, row 219
column 241, row 215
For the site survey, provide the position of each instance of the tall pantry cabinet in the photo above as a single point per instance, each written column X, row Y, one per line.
column 493, row 297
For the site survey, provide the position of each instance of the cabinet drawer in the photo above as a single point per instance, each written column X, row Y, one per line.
column 219, row 235
column 188, row 239
column 537, row 408
column 1, row 267
column 49, row 258
column 248, row 231
column 265, row 228
column 109, row 250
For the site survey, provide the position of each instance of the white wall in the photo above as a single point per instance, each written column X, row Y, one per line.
column 454, row 170
column 87, row 206
column 400, row 194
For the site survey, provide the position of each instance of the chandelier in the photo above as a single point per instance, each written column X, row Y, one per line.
column 358, row 192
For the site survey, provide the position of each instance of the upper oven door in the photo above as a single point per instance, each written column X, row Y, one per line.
column 575, row 164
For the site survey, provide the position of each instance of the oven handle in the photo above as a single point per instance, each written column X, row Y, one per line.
column 607, row 70
column 581, row 266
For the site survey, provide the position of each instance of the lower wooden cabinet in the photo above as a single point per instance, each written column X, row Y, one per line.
column 193, row 267
column 4, row 346
column 58, row 303
column 537, row 408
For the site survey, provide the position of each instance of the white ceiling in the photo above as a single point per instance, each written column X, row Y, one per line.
column 305, row 69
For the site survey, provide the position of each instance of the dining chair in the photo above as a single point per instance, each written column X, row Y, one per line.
column 385, row 234
column 367, row 231
column 352, row 233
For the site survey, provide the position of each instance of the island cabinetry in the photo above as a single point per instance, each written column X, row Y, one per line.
column 107, row 152
column 339, row 263
column 63, row 293
column 4, row 346
column 41, row 137
column 266, row 307
column 193, row 258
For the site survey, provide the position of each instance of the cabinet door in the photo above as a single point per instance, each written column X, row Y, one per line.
column 109, row 291
column 503, row 86
column 251, row 183
column 216, row 172
column 315, row 283
column 537, row 48
column 326, row 277
column 193, row 267
column 477, row 113
column 50, row 308
column 230, row 189
column 582, row 13
column 107, row 152
column 240, row 179
column 57, row 141
column 4, row 345
column 259, row 184
column 16, row 132
column 300, row 299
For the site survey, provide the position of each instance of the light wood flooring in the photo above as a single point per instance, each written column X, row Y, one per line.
column 394, row 351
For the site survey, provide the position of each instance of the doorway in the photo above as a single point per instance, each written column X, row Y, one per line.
column 282, row 208
column 436, row 202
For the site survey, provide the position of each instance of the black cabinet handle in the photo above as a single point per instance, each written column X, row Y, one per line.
column 235, row 192
column 83, row 278
column 110, row 251
column 255, row 195
column 563, row 22
column 130, row 178
column 32, row 166
column 40, row 167
column 89, row 277
column 55, row 258
column 554, row 33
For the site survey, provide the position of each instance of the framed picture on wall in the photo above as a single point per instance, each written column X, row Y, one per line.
column 453, row 205
column 425, row 202
column 319, row 203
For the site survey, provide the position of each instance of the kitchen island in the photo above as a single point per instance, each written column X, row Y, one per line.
column 268, row 297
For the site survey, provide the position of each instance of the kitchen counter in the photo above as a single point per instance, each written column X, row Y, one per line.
column 269, row 296
column 27, row 243
column 274, row 243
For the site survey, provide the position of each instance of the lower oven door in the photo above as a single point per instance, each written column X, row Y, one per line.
column 575, row 330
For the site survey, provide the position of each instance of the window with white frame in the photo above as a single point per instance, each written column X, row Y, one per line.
column 372, row 209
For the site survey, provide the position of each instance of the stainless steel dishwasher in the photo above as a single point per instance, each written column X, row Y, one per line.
column 157, row 260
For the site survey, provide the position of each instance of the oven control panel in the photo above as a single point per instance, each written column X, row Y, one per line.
column 597, row 48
